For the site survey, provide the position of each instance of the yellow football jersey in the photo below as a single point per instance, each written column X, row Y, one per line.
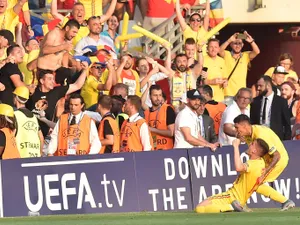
column 245, row 184
column 275, row 144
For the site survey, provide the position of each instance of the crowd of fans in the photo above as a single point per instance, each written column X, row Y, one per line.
column 77, row 91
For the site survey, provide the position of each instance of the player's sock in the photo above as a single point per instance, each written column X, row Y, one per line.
column 214, row 208
column 271, row 193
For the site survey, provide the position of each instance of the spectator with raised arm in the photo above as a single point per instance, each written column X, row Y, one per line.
column 237, row 63
column 9, row 16
column 78, row 13
column 197, row 27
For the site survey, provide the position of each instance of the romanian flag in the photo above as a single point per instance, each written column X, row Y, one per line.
column 216, row 13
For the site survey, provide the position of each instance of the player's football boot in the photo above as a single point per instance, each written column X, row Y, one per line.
column 288, row 205
column 236, row 205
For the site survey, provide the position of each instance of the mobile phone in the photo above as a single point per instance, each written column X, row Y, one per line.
column 241, row 36
column 204, row 69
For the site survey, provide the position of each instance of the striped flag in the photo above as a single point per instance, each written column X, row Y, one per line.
column 216, row 13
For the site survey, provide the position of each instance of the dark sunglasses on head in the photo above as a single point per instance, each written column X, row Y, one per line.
column 194, row 20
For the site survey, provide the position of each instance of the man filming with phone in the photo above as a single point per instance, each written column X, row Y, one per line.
column 237, row 62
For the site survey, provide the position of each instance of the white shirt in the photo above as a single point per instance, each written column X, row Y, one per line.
column 201, row 125
column 93, row 115
column 228, row 116
column 268, row 110
column 144, row 132
column 86, row 41
column 154, row 78
column 186, row 118
column 94, row 138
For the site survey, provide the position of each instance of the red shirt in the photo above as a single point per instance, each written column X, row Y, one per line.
column 160, row 9
column 191, row 2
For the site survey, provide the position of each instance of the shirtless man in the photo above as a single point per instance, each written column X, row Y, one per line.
column 55, row 44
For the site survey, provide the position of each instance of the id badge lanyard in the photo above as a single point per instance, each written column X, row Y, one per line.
column 72, row 144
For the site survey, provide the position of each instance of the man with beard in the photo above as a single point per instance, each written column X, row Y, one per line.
column 160, row 118
column 187, row 131
column 216, row 73
column 55, row 45
column 135, row 134
column 276, row 158
column 128, row 76
column 237, row 63
column 183, row 78
column 93, row 38
column 78, row 13
column 288, row 90
column 270, row 109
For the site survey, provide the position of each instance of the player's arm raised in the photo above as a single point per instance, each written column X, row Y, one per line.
column 239, row 165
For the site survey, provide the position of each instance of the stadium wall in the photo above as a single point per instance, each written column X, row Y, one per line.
column 130, row 182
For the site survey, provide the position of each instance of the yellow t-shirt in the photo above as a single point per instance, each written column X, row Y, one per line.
column 245, row 184
column 89, row 91
column 92, row 8
column 9, row 20
column 239, row 77
column 291, row 74
column 275, row 144
column 189, row 33
column 12, row 3
column 28, row 75
column 216, row 69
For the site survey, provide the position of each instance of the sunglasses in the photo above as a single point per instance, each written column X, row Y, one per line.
column 194, row 20
column 238, row 43
column 99, row 67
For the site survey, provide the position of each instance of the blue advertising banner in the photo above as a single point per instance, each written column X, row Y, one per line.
column 213, row 173
column 69, row 185
column 148, row 181
column 163, row 180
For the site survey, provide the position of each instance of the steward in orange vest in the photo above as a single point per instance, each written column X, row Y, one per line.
column 215, row 109
column 75, row 133
column 135, row 133
column 108, row 129
column 8, row 146
column 161, row 120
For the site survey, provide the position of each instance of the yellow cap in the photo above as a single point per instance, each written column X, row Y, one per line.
column 6, row 110
column 22, row 92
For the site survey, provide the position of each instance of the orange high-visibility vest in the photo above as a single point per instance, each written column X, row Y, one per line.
column 10, row 151
column 216, row 112
column 67, row 133
column 116, row 134
column 130, row 139
column 158, row 120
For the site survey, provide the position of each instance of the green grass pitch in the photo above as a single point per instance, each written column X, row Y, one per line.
column 259, row 216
